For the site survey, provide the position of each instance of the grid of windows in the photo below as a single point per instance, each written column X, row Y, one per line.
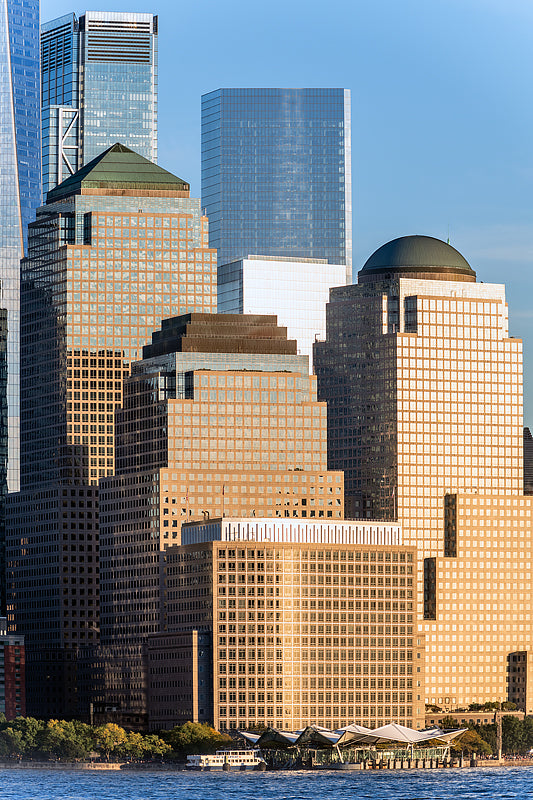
column 19, row 185
column 424, row 390
column 104, row 267
column 276, row 173
column 99, row 86
column 302, row 633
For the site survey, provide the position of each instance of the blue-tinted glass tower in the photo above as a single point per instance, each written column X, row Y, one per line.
column 276, row 173
column 99, row 87
column 20, row 186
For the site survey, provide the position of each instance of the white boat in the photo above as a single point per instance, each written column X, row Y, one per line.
column 228, row 760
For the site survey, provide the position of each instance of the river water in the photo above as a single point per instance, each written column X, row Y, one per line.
column 464, row 784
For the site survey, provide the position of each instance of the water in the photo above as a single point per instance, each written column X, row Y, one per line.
column 465, row 784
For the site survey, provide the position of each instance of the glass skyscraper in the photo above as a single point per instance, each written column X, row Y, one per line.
column 19, row 182
column 99, row 86
column 276, row 173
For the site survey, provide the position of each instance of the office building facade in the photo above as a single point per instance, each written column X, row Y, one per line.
column 117, row 247
column 419, row 356
column 233, row 428
column 424, row 391
column 297, row 291
column 99, row 87
column 12, row 674
column 276, row 173
column 20, row 189
column 295, row 621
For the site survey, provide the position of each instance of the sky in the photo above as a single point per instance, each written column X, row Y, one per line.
column 442, row 118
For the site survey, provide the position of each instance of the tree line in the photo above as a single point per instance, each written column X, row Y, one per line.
column 30, row 738
column 517, row 736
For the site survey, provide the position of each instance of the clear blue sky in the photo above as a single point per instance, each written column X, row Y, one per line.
column 442, row 114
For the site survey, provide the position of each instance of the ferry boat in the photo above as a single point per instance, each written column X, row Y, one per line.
column 228, row 760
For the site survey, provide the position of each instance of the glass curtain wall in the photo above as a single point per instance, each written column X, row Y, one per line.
column 20, row 190
column 276, row 173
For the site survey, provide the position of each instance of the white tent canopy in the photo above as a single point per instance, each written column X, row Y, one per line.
column 314, row 735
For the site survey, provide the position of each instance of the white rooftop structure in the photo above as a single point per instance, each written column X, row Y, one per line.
column 296, row 290
column 292, row 531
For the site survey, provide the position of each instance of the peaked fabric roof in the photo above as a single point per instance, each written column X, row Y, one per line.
column 316, row 736
column 118, row 167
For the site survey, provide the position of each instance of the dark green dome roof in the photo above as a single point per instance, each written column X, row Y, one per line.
column 419, row 254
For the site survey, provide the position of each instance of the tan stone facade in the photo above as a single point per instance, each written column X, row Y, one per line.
column 302, row 632
column 424, row 391
column 105, row 264
column 481, row 605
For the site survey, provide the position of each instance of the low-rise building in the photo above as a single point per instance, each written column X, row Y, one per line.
column 303, row 621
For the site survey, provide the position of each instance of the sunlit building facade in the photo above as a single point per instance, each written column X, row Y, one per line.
column 276, row 173
column 304, row 621
column 99, row 87
column 219, row 418
column 424, row 391
column 117, row 247
column 12, row 674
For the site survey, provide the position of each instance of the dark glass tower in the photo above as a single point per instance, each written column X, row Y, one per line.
column 99, row 86
column 19, row 181
column 276, row 173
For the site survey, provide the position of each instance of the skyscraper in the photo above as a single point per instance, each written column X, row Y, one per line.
column 424, row 391
column 99, row 86
column 117, row 247
column 276, row 173
column 20, row 189
column 424, row 386
column 233, row 428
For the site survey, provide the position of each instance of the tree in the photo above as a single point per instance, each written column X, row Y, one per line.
column 30, row 730
column 11, row 742
column 108, row 738
column 194, row 737
column 449, row 723
column 154, row 746
column 471, row 742
column 20, row 736
column 132, row 746
column 513, row 739
column 528, row 733
column 66, row 739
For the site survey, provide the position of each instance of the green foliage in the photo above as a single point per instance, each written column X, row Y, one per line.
column 155, row 747
column 20, row 736
column 109, row 738
column 66, row 739
column 471, row 742
column 494, row 705
column 195, row 737
column 132, row 746
column 488, row 733
column 513, row 735
column 33, row 738
column 12, row 743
